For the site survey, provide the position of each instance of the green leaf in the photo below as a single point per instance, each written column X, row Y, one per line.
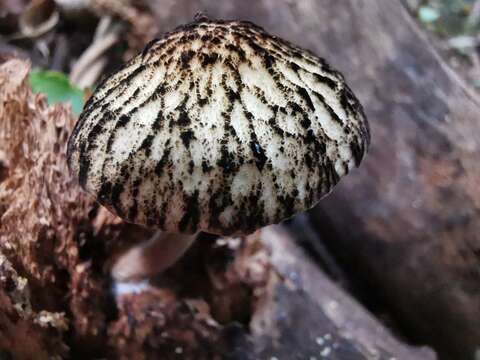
column 428, row 14
column 57, row 88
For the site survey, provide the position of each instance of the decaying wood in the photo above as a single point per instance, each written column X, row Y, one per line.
column 407, row 221
column 301, row 314
column 307, row 316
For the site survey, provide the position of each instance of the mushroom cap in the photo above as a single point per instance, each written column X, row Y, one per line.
column 219, row 127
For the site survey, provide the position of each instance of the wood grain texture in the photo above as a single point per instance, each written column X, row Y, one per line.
column 311, row 317
column 406, row 221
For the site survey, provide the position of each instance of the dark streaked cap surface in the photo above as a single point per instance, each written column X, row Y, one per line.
column 217, row 126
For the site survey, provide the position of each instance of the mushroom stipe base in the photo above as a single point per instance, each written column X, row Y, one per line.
column 151, row 257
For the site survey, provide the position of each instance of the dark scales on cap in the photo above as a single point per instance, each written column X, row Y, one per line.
column 217, row 126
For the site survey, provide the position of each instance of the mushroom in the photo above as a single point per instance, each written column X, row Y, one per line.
column 218, row 127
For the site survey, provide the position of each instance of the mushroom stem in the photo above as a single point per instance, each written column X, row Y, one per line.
column 161, row 251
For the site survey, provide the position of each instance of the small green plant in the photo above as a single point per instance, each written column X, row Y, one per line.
column 57, row 88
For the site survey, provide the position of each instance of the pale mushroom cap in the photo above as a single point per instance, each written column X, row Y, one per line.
column 218, row 127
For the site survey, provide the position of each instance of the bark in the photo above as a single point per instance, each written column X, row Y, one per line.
column 306, row 315
column 407, row 221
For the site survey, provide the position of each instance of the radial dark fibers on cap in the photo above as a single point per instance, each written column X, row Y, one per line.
column 219, row 127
